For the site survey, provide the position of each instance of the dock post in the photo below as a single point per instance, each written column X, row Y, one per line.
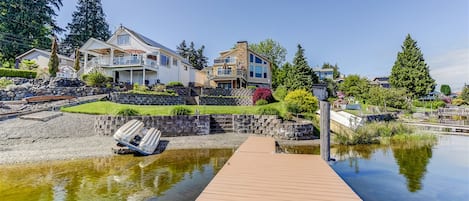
column 325, row 131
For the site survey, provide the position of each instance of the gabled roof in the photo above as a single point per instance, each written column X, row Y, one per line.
column 90, row 41
column 153, row 43
column 44, row 52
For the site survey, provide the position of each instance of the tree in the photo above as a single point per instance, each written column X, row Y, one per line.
column 54, row 59
column 195, row 56
column 275, row 53
column 465, row 93
column 393, row 97
column 336, row 73
column 355, row 86
column 76, row 63
column 300, row 76
column 410, row 70
column 445, row 89
column 88, row 21
column 26, row 24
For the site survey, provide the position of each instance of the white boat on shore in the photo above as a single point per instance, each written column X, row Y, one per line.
column 133, row 135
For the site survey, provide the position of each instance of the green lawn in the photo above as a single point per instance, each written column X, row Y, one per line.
column 110, row 108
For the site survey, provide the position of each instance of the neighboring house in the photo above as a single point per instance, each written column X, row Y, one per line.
column 324, row 73
column 41, row 58
column 133, row 58
column 238, row 68
column 381, row 81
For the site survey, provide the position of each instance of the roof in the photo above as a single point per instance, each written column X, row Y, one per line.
column 323, row 69
column 153, row 43
column 44, row 52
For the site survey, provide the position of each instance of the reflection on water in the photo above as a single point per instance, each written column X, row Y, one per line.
column 173, row 175
column 407, row 170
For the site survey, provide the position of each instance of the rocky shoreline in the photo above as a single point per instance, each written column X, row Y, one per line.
column 71, row 136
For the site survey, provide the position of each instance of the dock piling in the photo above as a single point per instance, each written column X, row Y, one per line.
column 325, row 130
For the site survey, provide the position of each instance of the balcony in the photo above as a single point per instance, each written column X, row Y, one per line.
column 229, row 60
column 122, row 61
column 223, row 74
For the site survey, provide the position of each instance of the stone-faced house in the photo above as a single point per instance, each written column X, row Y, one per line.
column 41, row 58
column 238, row 68
column 130, row 57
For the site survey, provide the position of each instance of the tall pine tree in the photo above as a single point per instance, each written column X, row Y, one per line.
column 54, row 59
column 26, row 24
column 301, row 75
column 195, row 56
column 88, row 21
column 410, row 70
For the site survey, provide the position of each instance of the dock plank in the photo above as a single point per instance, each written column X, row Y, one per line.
column 256, row 172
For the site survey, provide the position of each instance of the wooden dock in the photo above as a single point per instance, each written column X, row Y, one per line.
column 256, row 172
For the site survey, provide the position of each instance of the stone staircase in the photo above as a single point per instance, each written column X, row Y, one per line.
column 221, row 123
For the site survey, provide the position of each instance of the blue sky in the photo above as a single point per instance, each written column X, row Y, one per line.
column 361, row 36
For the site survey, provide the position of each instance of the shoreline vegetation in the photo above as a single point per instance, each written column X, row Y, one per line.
column 383, row 133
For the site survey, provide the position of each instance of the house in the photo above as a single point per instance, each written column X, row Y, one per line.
column 381, row 81
column 41, row 58
column 238, row 68
column 324, row 73
column 130, row 57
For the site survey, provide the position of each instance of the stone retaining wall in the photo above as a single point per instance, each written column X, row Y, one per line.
column 170, row 126
column 19, row 92
column 211, row 100
column 146, row 99
column 269, row 125
column 227, row 92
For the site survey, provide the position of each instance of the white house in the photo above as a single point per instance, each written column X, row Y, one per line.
column 41, row 58
column 133, row 58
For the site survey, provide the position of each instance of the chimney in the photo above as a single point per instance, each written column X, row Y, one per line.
column 242, row 44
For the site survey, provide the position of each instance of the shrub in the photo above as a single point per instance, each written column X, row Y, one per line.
column 170, row 91
column 175, row 84
column 261, row 102
column 5, row 72
column 251, row 87
column 139, row 88
column 280, row 93
column 84, row 77
column 459, row 101
column 268, row 111
column 429, row 104
column 180, row 110
column 95, row 79
column 263, row 93
column 4, row 82
column 128, row 112
column 302, row 100
column 159, row 88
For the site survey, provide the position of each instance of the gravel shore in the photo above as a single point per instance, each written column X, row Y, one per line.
column 71, row 136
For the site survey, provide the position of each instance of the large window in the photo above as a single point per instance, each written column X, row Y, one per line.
column 258, row 60
column 164, row 60
column 265, row 72
column 123, row 39
column 258, row 71
column 251, row 71
column 251, row 58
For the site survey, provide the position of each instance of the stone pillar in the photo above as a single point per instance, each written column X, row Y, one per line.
column 143, row 83
column 325, row 130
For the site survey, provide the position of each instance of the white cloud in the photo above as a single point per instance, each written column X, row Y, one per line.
column 451, row 68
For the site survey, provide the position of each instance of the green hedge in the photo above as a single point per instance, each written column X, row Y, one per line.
column 7, row 72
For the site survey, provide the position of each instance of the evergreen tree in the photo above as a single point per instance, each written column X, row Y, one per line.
column 26, row 24
column 54, row 59
column 445, row 89
column 88, row 21
column 76, row 64
column 410, row 70
column 301, row 75
column 195, row 56
column 275, row 53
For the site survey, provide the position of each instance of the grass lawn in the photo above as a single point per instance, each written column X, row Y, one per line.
column 110, row 108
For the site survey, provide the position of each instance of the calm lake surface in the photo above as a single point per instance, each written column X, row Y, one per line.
column 402, row 171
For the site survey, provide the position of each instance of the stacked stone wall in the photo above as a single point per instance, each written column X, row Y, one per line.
column 224, row 100
column 146, row 99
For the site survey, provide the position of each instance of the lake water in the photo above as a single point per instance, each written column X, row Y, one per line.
column 172, row 175
column 402, row 171
column 407, row 171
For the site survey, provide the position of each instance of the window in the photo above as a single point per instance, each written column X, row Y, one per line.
column 123, row 39
column 258, row 60
column 251, row 71
column 251, row 58
column 258, row 71
column 185, row 67
column 164, row 60
column 175, row 62
column 265, row 72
